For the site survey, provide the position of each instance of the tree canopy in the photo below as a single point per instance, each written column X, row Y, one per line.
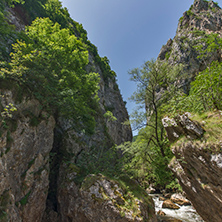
column 146, row 159
column 51, row 63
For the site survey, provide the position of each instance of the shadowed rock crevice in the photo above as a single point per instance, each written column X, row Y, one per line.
column 55, row 158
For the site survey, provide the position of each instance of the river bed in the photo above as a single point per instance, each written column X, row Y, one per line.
column 185, row 213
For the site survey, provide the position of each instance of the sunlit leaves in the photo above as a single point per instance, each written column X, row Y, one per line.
column 51, row 63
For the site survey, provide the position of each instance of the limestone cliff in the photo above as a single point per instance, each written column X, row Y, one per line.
column 38, row 150
column 26, row 141
column 196, row 144
column 198, row 161
column 202, row 16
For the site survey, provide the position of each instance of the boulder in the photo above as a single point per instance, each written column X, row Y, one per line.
column 180, row 199
column 182, row 125
column 170, row 205
column 168, row 219
column 162, row 198
column 161, row 213
column 167, row 195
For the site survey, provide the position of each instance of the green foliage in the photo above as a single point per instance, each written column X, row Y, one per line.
column 94, row 161
column 147, row 158
column 190, row 13
column 212, row 123
column 167, row 55
column 109, row 116
column 51, row 64
column 8, row 110
column 207, row 88
column 154, row 88
column 143, row 160
column 206, row 44
column 174, row 186
column 205, row 93
column 55, row 12
column 7, row 32
column 216, row 3
column 12, row 3
column 105, row 67
column 103, row 62
column 181, row 19
column 33, row 9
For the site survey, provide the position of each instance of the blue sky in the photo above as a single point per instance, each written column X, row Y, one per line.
column 128, row 32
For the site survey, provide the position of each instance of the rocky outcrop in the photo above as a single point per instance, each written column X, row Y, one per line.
column 180, row 199
column 182, row 125
column 25, row 143
column 102, row 199
column 168, row 219
column 39, row 151
column 202, row 16
column 198, row 157
column 170, row 205
column 198, row 166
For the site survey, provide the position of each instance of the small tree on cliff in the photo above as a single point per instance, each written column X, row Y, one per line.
column 50, row 63
column 156, row 85
column 147, row 158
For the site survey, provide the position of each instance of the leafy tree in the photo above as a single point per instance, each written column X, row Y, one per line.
column 155, row 86
column 51, row 64
column 13, row 2
column 146, row 159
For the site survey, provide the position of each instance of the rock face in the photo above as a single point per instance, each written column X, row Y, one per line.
column 39, row 152
column 180, row 199
column 170, row 205
column 25, row 144
column 202, row 16
column 198, row 166
column 101, row 199
column 182, row 125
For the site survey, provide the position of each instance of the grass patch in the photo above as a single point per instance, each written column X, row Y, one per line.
column 212, row 123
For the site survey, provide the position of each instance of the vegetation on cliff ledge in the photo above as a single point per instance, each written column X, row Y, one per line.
column 147, row 158
column 49, row 60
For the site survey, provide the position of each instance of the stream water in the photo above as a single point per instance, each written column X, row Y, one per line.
column 185, row 213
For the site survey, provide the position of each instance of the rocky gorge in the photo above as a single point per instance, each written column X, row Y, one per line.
column 40, row 153
column 51, row 171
